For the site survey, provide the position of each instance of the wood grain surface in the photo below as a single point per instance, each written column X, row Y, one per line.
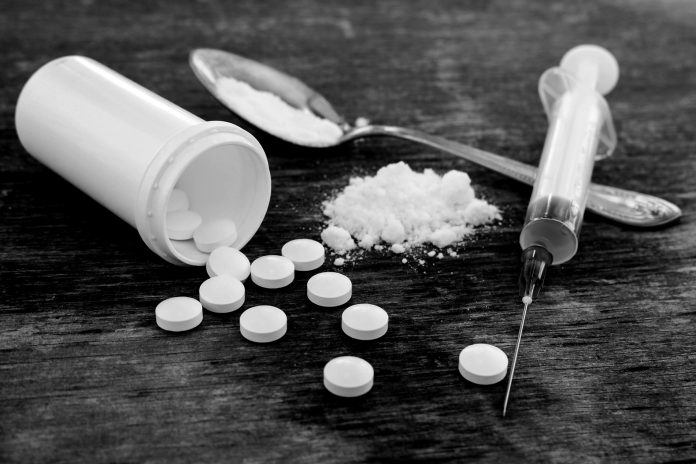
column 608, row 364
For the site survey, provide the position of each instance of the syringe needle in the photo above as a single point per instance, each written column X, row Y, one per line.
column 526, row 300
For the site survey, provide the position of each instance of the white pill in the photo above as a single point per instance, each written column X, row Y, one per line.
column 483, row 364
column 348, row 376
column 179, row 313
column 304, row 253
column 213, row 234
column 178, row 201
column 364, row 321
column 329, row 289
column 272, row 271
column 263, row 324
column 222, row 294
column 229, row 261
column 181, row 225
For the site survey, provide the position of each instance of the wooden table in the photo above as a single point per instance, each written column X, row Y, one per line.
column 608, row 364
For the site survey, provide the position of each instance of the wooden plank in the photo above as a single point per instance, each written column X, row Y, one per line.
column 607, row 367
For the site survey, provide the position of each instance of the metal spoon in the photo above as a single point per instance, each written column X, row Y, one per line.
column 210, row 65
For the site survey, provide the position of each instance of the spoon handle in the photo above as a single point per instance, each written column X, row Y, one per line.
column 624, row 206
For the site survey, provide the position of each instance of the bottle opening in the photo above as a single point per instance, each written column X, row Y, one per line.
column 224, row 175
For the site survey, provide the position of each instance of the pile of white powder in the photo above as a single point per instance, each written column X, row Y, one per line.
column 400, row 208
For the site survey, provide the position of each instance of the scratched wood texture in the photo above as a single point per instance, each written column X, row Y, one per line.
column 608, row 365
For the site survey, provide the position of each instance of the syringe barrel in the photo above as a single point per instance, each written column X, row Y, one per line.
column 557, row 204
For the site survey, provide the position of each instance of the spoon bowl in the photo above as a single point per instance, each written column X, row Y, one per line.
column 222, row 72
column 317, row 124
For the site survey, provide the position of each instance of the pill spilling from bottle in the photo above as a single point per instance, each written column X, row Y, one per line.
column 184, row 223
column 348, row 376
column 329, row 289
column 228, row 261
column 364, row 321
column 483, row 364
column 305, row 254
column 224, row 292
column 272, row 271
column 263, row 324
column 179, row 314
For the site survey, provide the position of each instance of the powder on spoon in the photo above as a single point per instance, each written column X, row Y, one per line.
column 269, row 112
column 404, row 208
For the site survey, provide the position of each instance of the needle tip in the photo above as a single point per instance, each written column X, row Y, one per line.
column 526, row 300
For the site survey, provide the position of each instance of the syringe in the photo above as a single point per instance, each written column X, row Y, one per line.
column 580, row 131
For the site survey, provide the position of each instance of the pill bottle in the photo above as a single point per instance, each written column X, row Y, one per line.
column 127, row 148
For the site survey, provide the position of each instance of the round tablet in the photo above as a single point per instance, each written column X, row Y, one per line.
column 263, row 324
column 304, row 253
column 483, row 364
column 229, row 261
column 364, row 321
column 329, row 289
column 181, row 225
column 178, row 314
column 213, row 234
column 178, row 201
column 222, row 294
column 272, row 271
column 348, row 376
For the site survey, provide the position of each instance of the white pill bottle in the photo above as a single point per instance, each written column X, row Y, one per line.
column 127, row 148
